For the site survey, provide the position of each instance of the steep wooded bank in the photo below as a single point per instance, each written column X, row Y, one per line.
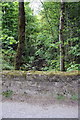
column 51, row 37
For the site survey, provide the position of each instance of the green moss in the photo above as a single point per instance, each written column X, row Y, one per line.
column 49, row 73
column 60, row 97
column 74, row 97
column 7, row 93
column 13, row 73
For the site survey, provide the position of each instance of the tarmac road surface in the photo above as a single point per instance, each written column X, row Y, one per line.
column 27, row 110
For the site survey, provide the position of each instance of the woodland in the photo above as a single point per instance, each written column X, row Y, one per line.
column 46, row 41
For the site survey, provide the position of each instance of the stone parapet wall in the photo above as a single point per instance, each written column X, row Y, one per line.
column 34, row 83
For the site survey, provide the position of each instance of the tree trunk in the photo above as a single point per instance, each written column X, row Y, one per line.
column 21, row 36
column 61, row 37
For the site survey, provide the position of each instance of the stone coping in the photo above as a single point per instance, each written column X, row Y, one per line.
column 48, row 73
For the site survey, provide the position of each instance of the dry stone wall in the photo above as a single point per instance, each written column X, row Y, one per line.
column 33, row 84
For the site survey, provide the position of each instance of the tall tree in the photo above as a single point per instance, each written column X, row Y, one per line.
column 21, row 36
column 61, row 37
column 47, row 17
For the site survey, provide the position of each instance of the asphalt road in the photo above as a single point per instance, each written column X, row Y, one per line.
column 26, row 110
column 0, row 110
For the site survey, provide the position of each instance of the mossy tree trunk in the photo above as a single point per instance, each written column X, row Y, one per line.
column 61, row 37
column 21, row 36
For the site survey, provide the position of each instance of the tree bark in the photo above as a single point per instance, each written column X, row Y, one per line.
column 61, row 37
column 21, row 36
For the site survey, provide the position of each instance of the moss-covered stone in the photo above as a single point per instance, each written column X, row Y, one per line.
column 49, row 73
column 34, row 83
column 13, row 73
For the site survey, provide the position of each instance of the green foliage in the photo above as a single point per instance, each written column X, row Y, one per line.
column 73, row 67
column 60, row 97
column 7, row 93
column 10, row 18
column 41, row 50
column 7, row 66
column 9, row 33
column 74, row 97
column 8, row 52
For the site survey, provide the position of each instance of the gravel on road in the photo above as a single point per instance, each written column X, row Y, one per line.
column 26, row 110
